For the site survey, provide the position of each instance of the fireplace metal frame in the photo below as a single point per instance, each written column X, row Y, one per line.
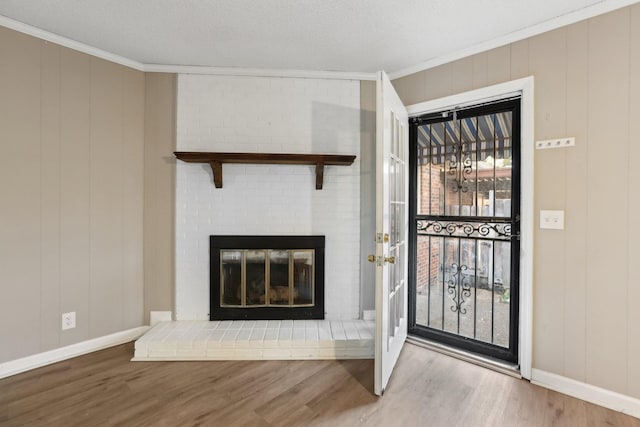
column 218, row 243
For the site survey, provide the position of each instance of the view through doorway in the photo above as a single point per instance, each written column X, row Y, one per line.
column 465, row 228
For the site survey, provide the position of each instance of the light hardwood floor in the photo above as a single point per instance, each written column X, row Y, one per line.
column 427, row 389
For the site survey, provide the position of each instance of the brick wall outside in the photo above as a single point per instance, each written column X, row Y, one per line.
column 430, row 203
column 431, row 182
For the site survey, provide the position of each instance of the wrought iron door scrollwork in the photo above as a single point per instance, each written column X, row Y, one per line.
column 464, row 229
column 460, row 167
column 458, row 288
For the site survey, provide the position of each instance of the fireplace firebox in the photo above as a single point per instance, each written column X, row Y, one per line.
column 266, row 277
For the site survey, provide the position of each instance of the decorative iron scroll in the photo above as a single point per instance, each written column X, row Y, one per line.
column 460, row 167
column 464, row 229
column 458, row 288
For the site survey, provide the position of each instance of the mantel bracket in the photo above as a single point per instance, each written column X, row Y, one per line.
column 216, row 168
column 319, row 175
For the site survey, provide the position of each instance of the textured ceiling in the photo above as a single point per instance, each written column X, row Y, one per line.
column 339, row 35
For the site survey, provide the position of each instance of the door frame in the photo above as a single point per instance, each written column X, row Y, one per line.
column 525, row 88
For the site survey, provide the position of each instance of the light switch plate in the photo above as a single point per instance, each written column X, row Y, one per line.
column 552, row 220
column 556, row 143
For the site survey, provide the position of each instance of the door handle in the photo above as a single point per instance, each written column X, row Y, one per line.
column 390, row 260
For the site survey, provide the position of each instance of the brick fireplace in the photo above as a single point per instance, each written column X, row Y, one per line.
column 268, row 115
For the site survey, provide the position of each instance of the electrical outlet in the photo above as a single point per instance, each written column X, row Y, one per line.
column 68, row 320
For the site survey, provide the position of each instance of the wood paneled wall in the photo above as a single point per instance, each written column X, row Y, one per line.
column 160, row 192
column 586, row 277
column 71, row 186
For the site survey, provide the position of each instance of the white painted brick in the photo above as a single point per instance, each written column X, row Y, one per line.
column 253, row 114
column 276, row 354
column 162, row 353
column 141, row 353
column 273, row 324
column 193, row 353
column 220, row 354
column 284, row 337
column 200, row 340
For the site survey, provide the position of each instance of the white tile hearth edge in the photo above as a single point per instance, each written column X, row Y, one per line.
column 257, row 340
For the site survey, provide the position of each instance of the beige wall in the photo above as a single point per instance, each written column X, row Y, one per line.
column 159, row 193
column 71, row 165
column 586, row 278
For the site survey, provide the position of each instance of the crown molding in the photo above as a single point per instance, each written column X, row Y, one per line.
column 178, row 69
column 600, row 8
column 258, row 72
column 71, row 44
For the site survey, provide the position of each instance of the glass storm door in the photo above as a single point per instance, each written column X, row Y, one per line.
column 465, row 228
column 391, row 230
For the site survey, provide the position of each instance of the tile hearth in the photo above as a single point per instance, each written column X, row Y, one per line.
column 257, row 340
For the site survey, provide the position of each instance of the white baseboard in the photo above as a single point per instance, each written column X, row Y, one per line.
column 27, row 363
column 368, row 315
column 590, row 393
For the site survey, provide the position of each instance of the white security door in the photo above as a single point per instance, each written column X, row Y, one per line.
column 391, row 230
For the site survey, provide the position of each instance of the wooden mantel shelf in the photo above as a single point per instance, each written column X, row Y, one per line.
column 216, row 160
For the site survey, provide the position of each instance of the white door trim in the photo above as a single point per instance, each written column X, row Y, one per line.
column 523, row 87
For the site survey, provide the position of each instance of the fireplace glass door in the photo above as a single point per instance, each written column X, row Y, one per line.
column 267, row 278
